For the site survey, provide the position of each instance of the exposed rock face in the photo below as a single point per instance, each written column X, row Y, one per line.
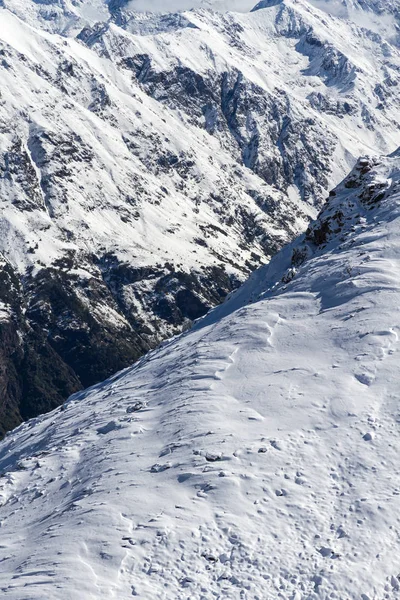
column 149, row 163
column 33, row 376
column 59, row 332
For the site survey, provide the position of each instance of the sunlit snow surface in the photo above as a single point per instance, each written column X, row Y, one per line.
column 256, row 456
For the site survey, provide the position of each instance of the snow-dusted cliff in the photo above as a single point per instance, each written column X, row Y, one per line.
column 149, row 162
column 255, row 456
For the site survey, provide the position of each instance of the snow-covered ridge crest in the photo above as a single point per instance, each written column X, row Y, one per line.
column 354, row 208
column 255, row 456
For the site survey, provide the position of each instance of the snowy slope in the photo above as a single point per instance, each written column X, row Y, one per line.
column 150, row 162
column 253, row 457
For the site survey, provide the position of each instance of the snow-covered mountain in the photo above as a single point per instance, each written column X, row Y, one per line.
column 149, row 162
column 255, row 456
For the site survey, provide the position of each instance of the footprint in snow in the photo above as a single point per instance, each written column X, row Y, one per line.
column 276, row 444
column 328, row 553
column 184, row 477
column 213, row 456
column 111, row 426
column 139, row 405
column 365, row 378
column 159, row 468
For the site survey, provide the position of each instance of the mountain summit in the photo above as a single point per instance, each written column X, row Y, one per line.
column 255, row 456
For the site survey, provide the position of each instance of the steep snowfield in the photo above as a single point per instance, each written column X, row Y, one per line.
column 148, row 163
column 255, row 456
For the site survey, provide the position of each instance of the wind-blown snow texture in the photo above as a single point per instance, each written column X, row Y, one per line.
column 148, row 163
column 255, row 456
